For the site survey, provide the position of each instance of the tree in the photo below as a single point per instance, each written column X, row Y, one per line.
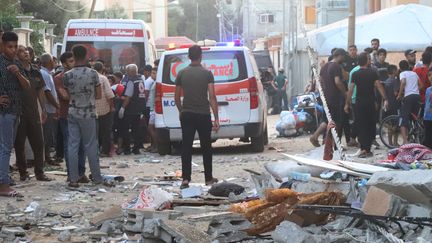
column 8, row 12
column 183, row 20
column 55, row 11
column 115, row 12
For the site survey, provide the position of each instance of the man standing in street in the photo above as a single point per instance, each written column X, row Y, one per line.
column 12, row 82
column 130, row 111
column 50, row 126
column 197, row 86
column 280, row 84
column 351, row 60
column 68, row 63
column 104, row 110
column 83, row 86
column 410, row 56
column 365, row 79
column 334, row 87
column 375, row 45
column 30, row 125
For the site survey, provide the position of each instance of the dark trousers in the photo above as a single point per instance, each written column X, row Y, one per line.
column 104, row 132
column 365, row 121
column 130, row 122
column 30, row 128
column 190, row 124
column 50, row 134
column 282, row 96
column 428, row 134
column 59, row 143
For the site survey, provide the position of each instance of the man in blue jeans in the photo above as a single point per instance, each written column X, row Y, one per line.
column 83, row 87
column 12, row 82
column 197, row 85
column 68, row 63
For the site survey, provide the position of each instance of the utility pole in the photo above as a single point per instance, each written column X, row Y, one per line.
column 220, row 19
column 283, row 33
column 197, row 18
column 351, row 23
column 92, row 8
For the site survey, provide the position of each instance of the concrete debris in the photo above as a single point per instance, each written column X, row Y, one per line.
column 17, row 231
column 290, row 232
column 190, row 192
column 415, row 186
column 418, row 211
column 64, row 236
column 380, row 203
column 320, row 185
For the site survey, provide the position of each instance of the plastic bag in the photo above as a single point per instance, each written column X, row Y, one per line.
column 150, row 197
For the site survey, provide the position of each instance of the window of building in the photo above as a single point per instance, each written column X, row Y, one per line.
column 266, row 18
column 145, row 16
column 310, row 15
column 338, row 4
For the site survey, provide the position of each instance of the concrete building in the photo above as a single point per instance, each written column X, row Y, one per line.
column 153, row 12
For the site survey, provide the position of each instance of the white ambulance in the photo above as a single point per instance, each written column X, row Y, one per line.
column 240, row 96
column 117, row 42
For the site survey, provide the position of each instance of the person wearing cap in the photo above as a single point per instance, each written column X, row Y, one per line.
column 334, row 87
column 280, row 83
column 410, row 56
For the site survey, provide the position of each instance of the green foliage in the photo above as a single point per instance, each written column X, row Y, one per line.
column 36, row 42
column 182, row 20
column 8, row 12
column 54, row 11
column 115, row 12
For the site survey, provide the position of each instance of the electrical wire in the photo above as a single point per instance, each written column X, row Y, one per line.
column 68, row 10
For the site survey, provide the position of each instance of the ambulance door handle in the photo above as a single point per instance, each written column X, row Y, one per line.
column 223, row 103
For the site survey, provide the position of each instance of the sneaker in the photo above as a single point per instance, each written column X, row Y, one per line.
column 212, row 182
column 43, row 177
column 365, row 155
column 136, row 151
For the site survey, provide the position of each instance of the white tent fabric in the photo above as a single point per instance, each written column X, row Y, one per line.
column 399, row 28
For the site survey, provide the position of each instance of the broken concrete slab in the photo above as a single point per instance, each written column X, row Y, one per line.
column 17, row 231
column 114, row 212
column 415, row 186
column 379, row 202
column 290, row 232
column 320, row 185
column 184, row 232
column 417, row 211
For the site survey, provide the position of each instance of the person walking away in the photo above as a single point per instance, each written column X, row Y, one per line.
column 12, row 82
column 409, row 90
column 334, row 87
column 30, row 124
column 50, row 126
column 197, row 86
column 365, row 79
column 68, row 62
column 131, row 110
column 83, row 86
column 151, row 123
column 280, row 83
column 353, row 141
column 422, row 72
column 427, row 118
column 391, row 86
column 104, row 110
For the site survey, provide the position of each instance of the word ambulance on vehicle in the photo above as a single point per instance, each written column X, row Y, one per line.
column 240, row 95
column 116, row 42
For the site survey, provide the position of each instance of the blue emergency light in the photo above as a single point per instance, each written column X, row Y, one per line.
column 230, row 44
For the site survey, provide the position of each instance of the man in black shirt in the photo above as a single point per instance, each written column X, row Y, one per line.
column 365, row 80
column 351, row 60
column 334, row 86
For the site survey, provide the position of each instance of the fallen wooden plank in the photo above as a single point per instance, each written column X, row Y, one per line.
column 362, row 168
column 111, row 213
column 198, row 202
column 325, row 165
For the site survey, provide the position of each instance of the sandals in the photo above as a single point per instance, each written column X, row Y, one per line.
column 314, row 142
column 185, row 184
column 43, row 178
column 212, row 182
column 11, row 193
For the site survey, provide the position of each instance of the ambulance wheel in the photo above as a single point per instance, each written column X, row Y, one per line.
column 258, row 143
column 164, row 148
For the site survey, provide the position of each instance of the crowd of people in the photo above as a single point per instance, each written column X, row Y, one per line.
column 362, row 89
column 71, row 112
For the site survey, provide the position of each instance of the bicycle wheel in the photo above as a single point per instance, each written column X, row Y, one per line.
column 389, row 132
column 416, row 132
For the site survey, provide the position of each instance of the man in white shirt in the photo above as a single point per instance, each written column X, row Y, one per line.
column 409, row 90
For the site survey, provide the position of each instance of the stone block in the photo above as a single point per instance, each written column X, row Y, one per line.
column 319, row 185
column 418, row 211
column 415, row 186
column 379, row 202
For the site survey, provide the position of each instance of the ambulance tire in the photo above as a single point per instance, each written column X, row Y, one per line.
column 164, row 148
column 258, row 143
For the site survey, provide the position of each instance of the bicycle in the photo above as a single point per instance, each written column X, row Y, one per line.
column 390, row 134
